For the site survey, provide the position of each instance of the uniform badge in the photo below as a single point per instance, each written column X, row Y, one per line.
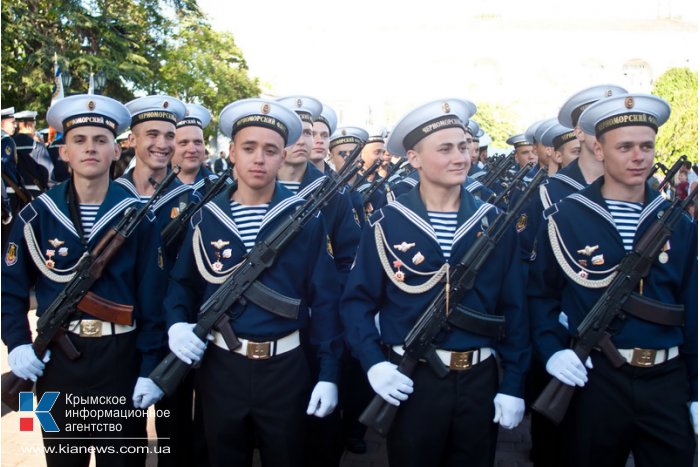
column 226, row 253
column 598, row 260
column 582, row 262
column 174, row 212
column 329, row 246
column 522, row 223
column 587, row 250
column 55, row 242
column 50, row 262
column 583, row 274
column 404, row 247
column 219, row 244
column 399, row 274
column 8, row 150
column 356, row 217
column 217, row 266
column 663, row 256
column 11, row 254
column 63, row 251
column 418, row 258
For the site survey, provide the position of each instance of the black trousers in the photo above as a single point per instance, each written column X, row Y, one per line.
column 108, row 366
column 638, row 410
column 176, row 431
column 248, row 403
column 546, row 436
column 446, row 422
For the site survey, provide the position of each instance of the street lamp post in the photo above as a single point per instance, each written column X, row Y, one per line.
column 100, row 81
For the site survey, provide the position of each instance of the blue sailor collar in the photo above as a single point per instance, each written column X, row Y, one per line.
column 592, row 198
column 311, row 179
column 203, row 175
column 571, row 175
column 116, row 200
column 175, row 189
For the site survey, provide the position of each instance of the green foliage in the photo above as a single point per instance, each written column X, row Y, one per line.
column 679, row 86
column 142, row 46
column 497, row 121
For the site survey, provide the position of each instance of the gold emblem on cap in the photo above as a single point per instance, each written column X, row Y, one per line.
column 629, row 102
column 299, row 103
column 446, row 107
column 91, row 105
column 165, row 104
column 265, row 108
column 344, row 132
column 608, row 93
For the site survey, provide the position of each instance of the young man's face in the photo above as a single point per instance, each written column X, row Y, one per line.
column 372, row 152
column 442, row 158
column 8, row 125
column 569, row 152
column 154, row 143
column 299, row 152
column 189, row 148
column 258, row 154
column 340, row 152
column 627, row 154
column 525, row 154
column 89, row 151
column 321, row 138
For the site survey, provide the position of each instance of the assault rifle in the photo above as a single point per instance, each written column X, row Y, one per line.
column 377, row 182
column 593, row 330
column 445, row 309
column 24, row 196
column 171, row 236
column 515, row 183
column 498, row 170
column 76, row 295
column 670, row 173
column 243, row 285
column 366, row 173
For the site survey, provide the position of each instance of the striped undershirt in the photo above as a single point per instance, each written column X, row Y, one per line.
column 88, row 213
column 445, row 225
column 145, row 199
column 626, row 217
column 248, row 220
column 291, row 186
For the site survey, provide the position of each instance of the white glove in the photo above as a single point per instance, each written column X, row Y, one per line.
column 567, row 368
column 323, row 400
column 694, row 415
column 387, row 381
column 146, row 393
column 509, row 410
column 25, row 364
column 184, row 343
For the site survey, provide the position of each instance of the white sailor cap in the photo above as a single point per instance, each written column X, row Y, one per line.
column 532, row 130
column 557, row 135
column 473, row 128
column 427, row 119
column 542, row 128
column 260, row 112
column 195, row 115
column 8, row 112
column 571, row 110
column 348, row 134
column 88, row 110
column 485, row 140
column 329, row 118
column 625, row 110
column 521, row 139
column 308, row 108
column 26, row 115
column 378, row 135
column 156, row 107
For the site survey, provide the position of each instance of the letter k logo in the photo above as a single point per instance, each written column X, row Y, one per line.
column 26, row 404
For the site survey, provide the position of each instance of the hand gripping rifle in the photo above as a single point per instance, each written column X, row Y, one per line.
column 243, row 285
column 76, row 295
column 171, row 236
column 593, row 330
column 445, row 309
column 670, row 173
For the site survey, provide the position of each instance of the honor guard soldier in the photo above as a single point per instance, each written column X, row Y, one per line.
column 33, row 160
column 190, row 151
column 374, row 150
column 323, row 127
column 484, row 141
column 12, row 180
column 257, row 394
column 405, row 254
column 342, row 143
column 473, row 133
column 634, row 391
column 116, row 337
column 300, row 176
column 524, row 147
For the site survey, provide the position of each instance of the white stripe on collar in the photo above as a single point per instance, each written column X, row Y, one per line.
column 651, row 207
column 57, row 214
column 601, row 211
column 170, row 195
column 281, row 206
column 128, row 185
column 224, row 217
column 109, row 215
column 311, row 187
column 414, row 219
column 473, row 186
column 568, row 180
column 473, row 219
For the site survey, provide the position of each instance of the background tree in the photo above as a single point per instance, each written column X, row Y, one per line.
column 131, row 41
column 497, row 121
column 679, row 86
column 204, row 66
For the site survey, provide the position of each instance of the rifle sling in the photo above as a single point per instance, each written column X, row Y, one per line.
column 654, row 311
column 477, row 323
column 272, row 301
